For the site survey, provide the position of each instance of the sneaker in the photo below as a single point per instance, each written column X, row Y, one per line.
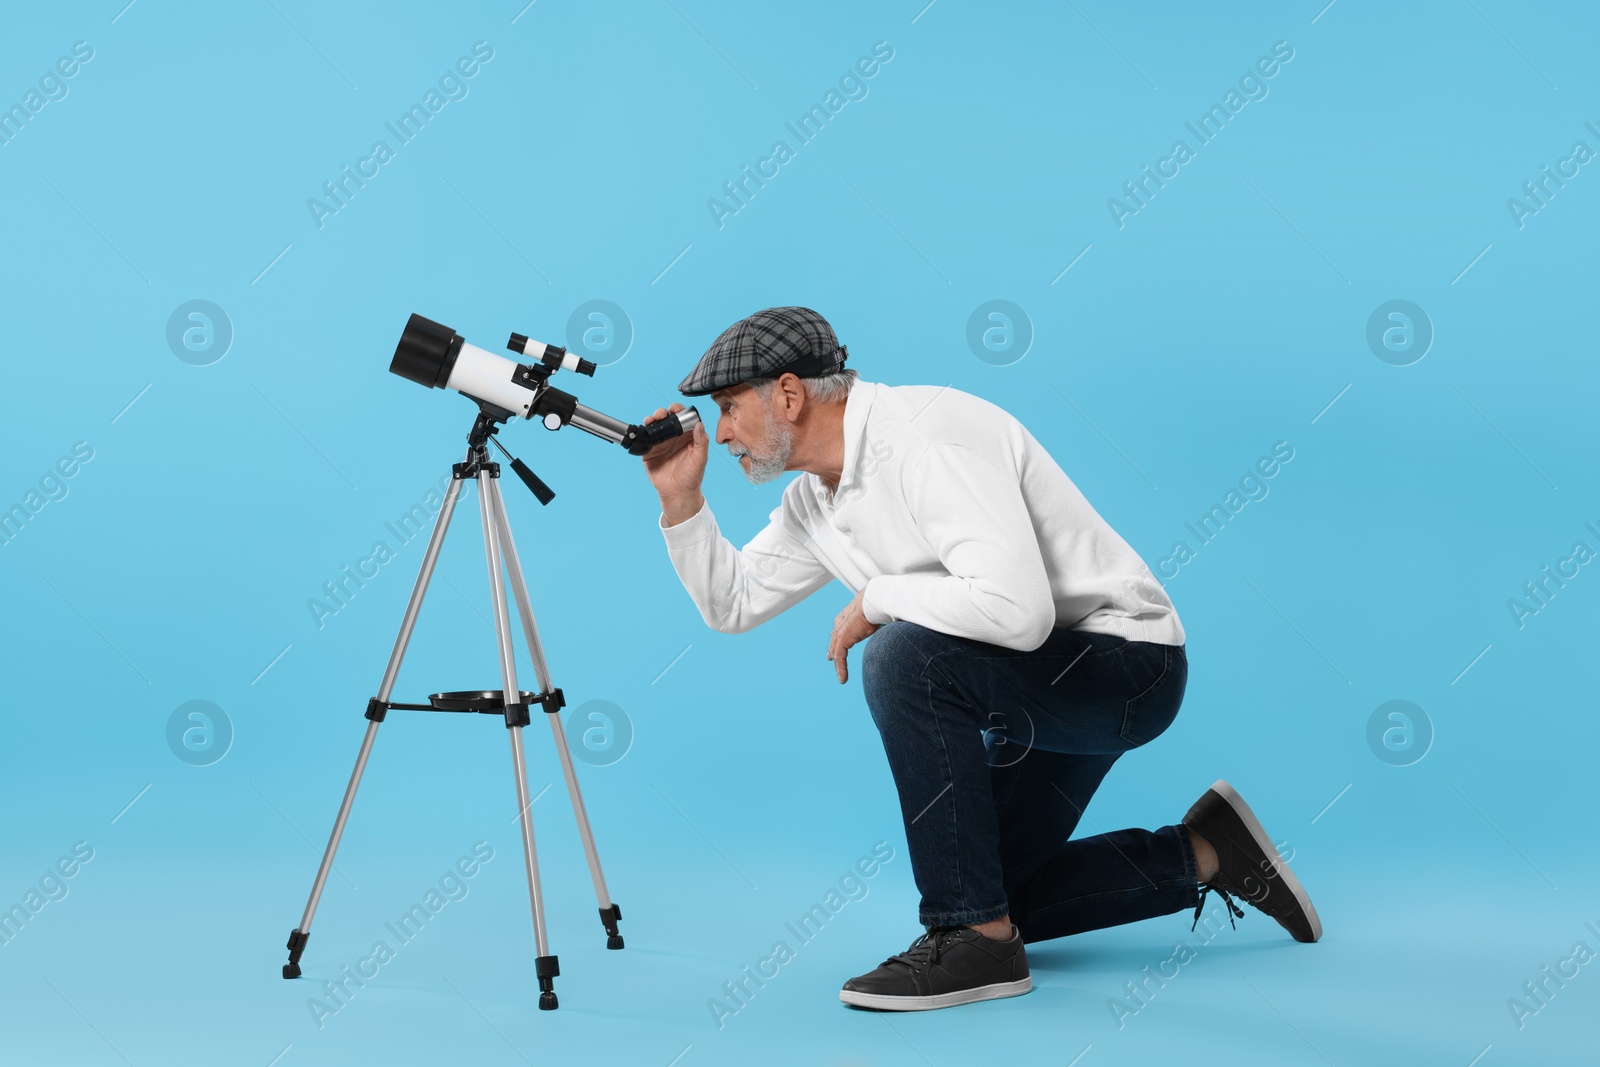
column 1248, row 865
column 947, row 965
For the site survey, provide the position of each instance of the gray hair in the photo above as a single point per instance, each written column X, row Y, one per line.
column 824, row 388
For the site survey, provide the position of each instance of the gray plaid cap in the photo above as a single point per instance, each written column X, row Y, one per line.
column 765, row 345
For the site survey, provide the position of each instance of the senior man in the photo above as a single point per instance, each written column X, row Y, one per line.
column 1018, row 647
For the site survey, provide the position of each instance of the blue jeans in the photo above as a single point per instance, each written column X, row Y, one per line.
column 995, row 754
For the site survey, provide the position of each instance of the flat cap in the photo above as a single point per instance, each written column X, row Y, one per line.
column 764, row 345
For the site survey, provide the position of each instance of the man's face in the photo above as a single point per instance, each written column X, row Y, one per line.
column 761, row 442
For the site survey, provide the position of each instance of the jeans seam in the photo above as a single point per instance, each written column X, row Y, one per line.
column 1191, row 866
column 1109, row 894
column 1130, row 708
column 1113, row 894
column 949, row 774
column 1003, row 907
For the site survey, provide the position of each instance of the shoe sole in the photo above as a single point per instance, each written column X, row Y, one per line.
column 888, row 1002
column 1280, row 869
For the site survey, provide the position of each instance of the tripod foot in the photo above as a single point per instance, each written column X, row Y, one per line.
column 546, row 968
column 297, row 945
column 609, row 917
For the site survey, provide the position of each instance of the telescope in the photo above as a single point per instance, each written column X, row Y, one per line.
column 435, row 356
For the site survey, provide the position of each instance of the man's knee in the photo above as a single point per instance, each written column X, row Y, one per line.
column 877, row 648
column 897, row 652
column 892, row 643
column 884, row 654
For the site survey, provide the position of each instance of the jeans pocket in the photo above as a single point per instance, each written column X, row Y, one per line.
column 1148, row 714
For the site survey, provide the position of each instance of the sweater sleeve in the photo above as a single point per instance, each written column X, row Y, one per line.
column 737, row 589
column 995, row 587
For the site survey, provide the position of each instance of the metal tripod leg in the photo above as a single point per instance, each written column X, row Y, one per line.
column 609, row 912
column 489, row 505
column 300, row 934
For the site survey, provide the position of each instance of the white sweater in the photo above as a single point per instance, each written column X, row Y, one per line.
column 948, row 514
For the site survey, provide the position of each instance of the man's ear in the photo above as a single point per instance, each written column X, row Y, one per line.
column 794, row 391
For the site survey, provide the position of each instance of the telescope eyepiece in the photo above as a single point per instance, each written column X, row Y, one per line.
column 639, row 439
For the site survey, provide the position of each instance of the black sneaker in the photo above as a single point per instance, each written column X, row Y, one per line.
column 1248, row 864
column 947, row 965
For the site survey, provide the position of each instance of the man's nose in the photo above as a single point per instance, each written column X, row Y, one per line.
column 724, row 431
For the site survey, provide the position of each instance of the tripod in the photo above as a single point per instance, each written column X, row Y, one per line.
column 511, row 702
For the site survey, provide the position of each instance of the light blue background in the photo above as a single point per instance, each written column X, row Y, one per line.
column 1227, row 315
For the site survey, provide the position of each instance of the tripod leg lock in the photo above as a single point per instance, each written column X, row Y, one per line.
column 609, row 918
column 296, row 946
column 553, row 701
column 377, row 709
column 517, row 715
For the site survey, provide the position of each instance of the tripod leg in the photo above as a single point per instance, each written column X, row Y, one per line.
column 375, row 710
column 545, row 965
column 610, row 913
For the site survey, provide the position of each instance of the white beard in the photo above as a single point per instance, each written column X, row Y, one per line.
column 780, row 440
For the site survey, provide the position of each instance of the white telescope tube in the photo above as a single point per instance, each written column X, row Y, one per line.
column 485, row 376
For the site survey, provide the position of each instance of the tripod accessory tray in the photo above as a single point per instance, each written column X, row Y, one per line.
column 479, row 701
column 484, row 700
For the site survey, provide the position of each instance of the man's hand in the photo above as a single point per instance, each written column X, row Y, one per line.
column 850, row 628
column 676, row 467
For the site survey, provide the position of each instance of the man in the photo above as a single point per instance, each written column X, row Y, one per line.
column 1018, row 647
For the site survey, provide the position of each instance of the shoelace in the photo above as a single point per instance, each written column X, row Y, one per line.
column 1233, row 909
column 925, row 949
